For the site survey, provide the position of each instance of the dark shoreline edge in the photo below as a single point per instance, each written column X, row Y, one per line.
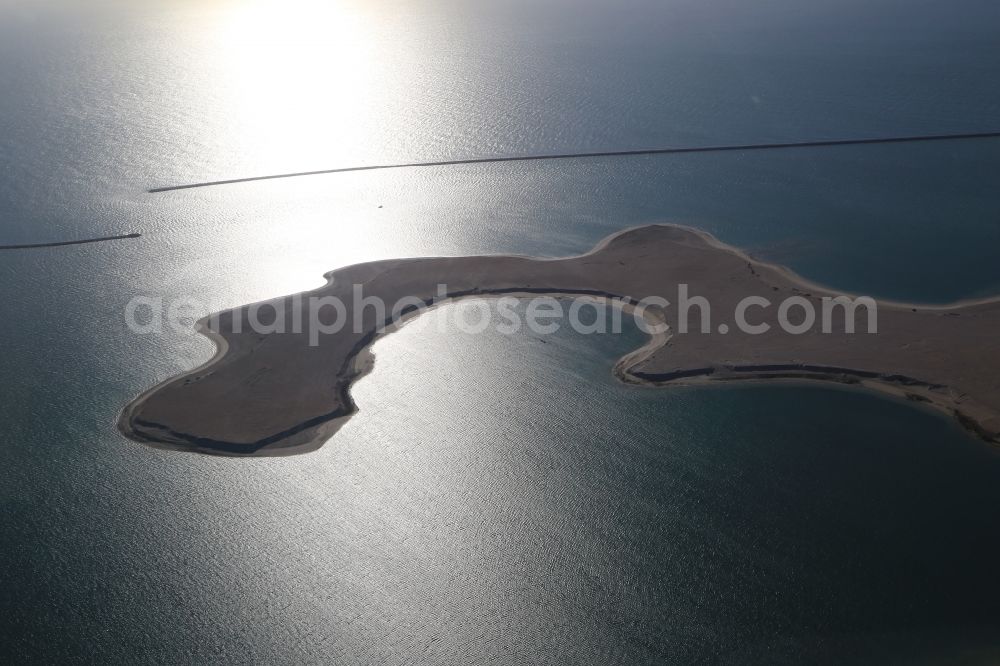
column 819, row 374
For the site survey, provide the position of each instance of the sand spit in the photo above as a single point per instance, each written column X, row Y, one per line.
column 275, row 394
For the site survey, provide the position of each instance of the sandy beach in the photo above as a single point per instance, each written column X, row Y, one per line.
column 276, row 394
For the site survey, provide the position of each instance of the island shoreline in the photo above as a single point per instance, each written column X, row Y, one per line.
column 360, row 359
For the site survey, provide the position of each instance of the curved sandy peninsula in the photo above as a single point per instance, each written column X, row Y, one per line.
column 274, row 393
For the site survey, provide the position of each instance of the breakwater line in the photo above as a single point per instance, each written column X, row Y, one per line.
column 822, row 143
column 84, row 241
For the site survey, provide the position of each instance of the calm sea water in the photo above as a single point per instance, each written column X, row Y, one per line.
column 497, row 499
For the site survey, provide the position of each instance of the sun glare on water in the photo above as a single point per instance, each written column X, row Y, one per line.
column 302, row 84
column 302, row 79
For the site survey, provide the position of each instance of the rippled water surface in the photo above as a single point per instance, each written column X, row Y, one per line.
column 498, row 498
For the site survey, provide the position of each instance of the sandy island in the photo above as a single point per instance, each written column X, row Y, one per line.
column 274, row 394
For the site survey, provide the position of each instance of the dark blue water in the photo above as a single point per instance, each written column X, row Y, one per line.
column 496, row 499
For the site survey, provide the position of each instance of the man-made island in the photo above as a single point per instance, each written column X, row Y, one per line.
column 275, row 393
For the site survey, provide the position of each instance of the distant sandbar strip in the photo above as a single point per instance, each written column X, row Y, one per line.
column 822, row 143
column 102, row 239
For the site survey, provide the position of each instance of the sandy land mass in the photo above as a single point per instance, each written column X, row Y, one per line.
column 275, row 394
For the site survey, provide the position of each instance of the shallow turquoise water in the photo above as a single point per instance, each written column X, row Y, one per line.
column 497, row 499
